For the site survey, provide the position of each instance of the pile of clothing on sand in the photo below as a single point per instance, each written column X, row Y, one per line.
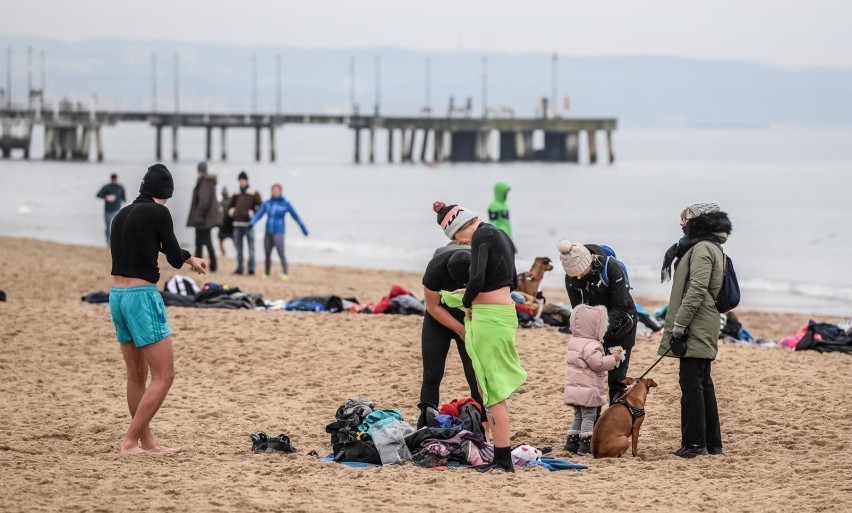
column 183, row 291
column 821, row 336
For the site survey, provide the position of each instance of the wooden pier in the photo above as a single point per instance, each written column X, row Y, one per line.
column 70, row 133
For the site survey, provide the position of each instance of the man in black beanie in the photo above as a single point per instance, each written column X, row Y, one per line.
column 241, row 209
column 140, row 232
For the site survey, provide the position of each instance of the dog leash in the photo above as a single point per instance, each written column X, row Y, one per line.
column 642, row 376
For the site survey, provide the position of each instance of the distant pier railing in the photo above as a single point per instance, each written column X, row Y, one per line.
column 69, row 134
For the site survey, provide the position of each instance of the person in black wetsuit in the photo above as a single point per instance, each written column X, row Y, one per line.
column 490, row 333
column 448, row 270
column 583, row 265
column 140, row 232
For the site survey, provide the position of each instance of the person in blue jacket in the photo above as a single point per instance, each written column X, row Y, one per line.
column 277, row 207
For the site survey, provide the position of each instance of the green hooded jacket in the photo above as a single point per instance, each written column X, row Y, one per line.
column 498, row 210
column 695, row 285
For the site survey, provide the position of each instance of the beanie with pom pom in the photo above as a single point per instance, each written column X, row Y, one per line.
column 576, row 258
column 452, row 217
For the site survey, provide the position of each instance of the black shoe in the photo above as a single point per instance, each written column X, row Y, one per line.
column 685, row 452
column 572, row 444
column 259, row 442
column 280, row 443
column 494, row 466
column 583, row 448
column 715, row 451
column 238, row 271
column 251, row 273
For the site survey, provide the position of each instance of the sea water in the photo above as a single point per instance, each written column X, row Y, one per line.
column 787, row 190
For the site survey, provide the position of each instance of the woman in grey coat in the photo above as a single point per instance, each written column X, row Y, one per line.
column 698, row 272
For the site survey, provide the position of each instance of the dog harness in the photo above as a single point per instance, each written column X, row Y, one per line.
column 635, row 412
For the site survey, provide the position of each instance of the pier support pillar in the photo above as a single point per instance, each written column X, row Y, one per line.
column 99, row 144
column 572, row 147
column 357, row 145
column 483, row 151
column 272, row 143
column 257, row 144
column 509, row 146
column 390, row 145
column 593, row 146
column 407, row 144
column 208, row 148
column 423, row 148
column 372, row 145
column 49, row 143
column 463, row 146
column 609, row 146
column 158, row 153
column 527, row 142
column 224, row 146
column 438, row 146
column 81, row 152
column 174, row 143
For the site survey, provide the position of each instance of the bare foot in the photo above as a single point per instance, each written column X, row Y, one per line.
column 161, row 450
column 129, row 448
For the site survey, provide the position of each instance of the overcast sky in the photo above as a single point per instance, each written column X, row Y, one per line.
column 785, row 32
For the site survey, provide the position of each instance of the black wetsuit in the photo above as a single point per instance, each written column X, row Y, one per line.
column 140, row 232
column 492, row 262
column 436, row 338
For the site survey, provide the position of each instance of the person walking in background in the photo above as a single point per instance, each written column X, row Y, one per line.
column 492, row 319
column 498, row 210
column 241, row 208
column 204, row 213
column 693, row 320
column 585, row 266
column 226, row 228
column 143, row 230
column 585, row 381
column 276, row 208
column 113, row 196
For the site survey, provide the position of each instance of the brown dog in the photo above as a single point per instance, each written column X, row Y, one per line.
column 529, row 282
column 621, row 422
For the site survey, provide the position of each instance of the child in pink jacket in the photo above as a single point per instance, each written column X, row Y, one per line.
column 585, row 376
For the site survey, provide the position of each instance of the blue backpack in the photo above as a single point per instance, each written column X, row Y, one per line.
column 610, row 253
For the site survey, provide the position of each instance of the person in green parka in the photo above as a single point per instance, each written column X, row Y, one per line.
column 498, row 210
column 692, row 316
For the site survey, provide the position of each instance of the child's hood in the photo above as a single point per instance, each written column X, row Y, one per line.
column 589, row 322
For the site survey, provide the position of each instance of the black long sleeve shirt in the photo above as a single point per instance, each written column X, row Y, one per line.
column 140, row 232
column 492, row 262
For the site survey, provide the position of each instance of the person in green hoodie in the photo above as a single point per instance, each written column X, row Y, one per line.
column 498, row 210
column 693, row 320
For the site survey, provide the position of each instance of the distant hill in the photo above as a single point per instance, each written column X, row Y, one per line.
column 652, row 90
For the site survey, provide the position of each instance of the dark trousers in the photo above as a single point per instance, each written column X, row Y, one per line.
column 275, row 240
column 618, row 374
column 435, row 345
column 202, row 240
column 699, row 414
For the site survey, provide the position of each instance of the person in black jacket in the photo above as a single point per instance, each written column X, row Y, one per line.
column 583, row 265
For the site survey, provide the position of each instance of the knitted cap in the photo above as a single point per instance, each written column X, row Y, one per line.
column 452, row 217
column 202, row 168
column 242, row 176
column 158, row 182
column 576, row 258
column 698, row 209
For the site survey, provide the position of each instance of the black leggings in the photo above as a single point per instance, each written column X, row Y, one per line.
column 202, row 240
column 435, row 345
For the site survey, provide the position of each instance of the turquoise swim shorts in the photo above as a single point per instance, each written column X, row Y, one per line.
column 139, row 315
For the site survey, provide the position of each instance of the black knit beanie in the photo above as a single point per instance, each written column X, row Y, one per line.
column 158, row 182
column 458, row 266
column 202, row 168
column 242, row 176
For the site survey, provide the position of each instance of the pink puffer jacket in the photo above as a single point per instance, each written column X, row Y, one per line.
column 585, row 376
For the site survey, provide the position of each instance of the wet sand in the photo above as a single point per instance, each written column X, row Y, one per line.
column 786, row 416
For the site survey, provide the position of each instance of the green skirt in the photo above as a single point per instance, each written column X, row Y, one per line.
column 490, row 343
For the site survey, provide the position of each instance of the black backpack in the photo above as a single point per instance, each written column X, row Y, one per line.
column 729, row 294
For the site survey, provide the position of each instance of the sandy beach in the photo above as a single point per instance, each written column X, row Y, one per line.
column 786, row 416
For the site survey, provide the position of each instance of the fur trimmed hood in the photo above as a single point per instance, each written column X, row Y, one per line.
column 715, row 223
